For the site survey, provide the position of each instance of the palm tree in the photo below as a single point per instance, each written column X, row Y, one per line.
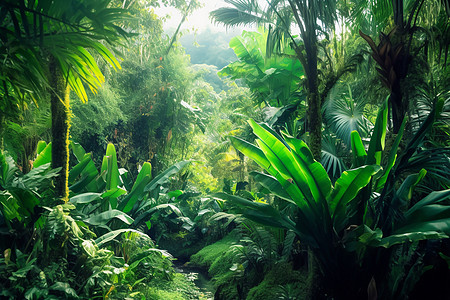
column 311, row 17
column 396, row 50
column 47, row 51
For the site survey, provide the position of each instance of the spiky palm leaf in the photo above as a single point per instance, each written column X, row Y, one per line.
column 332, row 156
column 66, row 30
column 244, row 12
column 345, row 115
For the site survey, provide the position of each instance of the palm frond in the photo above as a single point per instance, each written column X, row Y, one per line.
column 243, row 12
column 333, row 156
column 345, row 115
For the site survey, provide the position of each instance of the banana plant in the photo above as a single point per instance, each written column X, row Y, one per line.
column 110, row 197
column 334, row 220
column 21, row 194
column 295, row 176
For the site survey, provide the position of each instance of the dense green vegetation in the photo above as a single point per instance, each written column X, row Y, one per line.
column 306, row 159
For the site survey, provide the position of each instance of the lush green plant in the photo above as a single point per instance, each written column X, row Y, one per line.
column 39, row 57
column 273, row 79
column 57, row 254
column 326, row 213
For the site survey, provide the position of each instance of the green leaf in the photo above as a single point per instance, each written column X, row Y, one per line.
column 114, row 193
column 378, row 138
column 85, row 198
column 90, row 247
column 77, row 150
column 40, row 146
column 432, row 198
column 44, row 157
column 392, row 157
column 346, row 189
column 312, row 168
column 104, row 217
column 272, row 184
column 112, row 176
column 404, row 193
column 79, row 168
column 112, row 234
column 409, row 237
column 251, row 151
column 358, row 151
column 165, row 175
column 137, row 191
column 293, row 177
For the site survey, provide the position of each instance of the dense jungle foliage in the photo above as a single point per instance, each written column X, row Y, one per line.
column 308, row 158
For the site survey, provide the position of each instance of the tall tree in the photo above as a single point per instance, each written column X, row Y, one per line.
column 51, row 43
column 396, row 51
column 311, row 17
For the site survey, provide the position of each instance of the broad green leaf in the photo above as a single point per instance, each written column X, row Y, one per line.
column 44, row 157
column 111, row 235
column 114, row 193
column 272, row 184
column 427, row 216
column 378, row 138
column 282, row 159
column 358, row 151
column 313, row 169
column 85, row 198
column 40, row 146
column 135, row 260
column 137, row 190
column 404, row 193
column 165, row 175
column 268, row 216
column 392, row 157
column 90, row 247
column 113, row 178
column 374, row 238
column 432, row 198
column 78, row 168
column 145, row 217
column 174, row 194
column 104, row 217
column 250, row 151
column 409, row 237
column 346, row 189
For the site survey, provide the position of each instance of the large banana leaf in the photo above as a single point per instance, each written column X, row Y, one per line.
column 345, row 190
column 358, row 150
column 44, row 156
column 427, row 219
column 165, row 175
column 105, row 217
column 272, row 184
column 107, row 237
column 143, row 178
column 377, row 140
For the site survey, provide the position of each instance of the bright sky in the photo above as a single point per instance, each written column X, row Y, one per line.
column 198, row 20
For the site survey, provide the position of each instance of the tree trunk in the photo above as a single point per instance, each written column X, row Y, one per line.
column 397, row 107
column 314, row 114
column 60, row 107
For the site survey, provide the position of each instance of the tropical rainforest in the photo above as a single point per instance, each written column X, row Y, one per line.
column 303, row 154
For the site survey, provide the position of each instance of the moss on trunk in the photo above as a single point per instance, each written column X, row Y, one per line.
column 60, row 107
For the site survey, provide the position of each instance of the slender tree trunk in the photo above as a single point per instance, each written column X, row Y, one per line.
column 314, row 113
column 397, row 107
column 60, row 107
